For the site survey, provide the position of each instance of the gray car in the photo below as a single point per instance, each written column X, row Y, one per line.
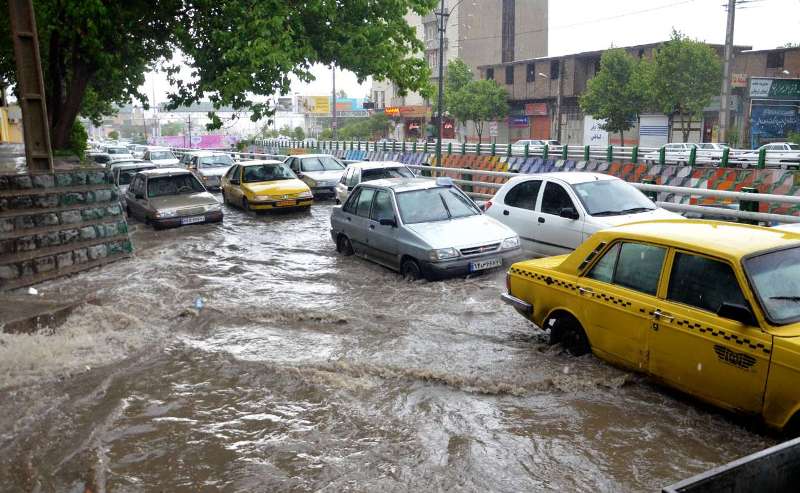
column 321, row 172
column 421, row 228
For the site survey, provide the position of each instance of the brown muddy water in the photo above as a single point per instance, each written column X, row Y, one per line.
column 306, row 371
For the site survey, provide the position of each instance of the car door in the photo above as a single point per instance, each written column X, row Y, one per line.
column 235, row 185
column 518, row 211
column 341, row 185
column 226, row 183
column 694, row 349
column 360, row 221
column 137, row 199
column 382, row 238
column 620, row 290
column 559, row 227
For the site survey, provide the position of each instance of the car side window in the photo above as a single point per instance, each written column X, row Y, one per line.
column 703, row 283
column 603, row 270
column 350, row 205
column 524, row 195
column 365, row 202
column 635, row 266
column 235, row 175
column 354, row 178
column 382, row 206
column 346, row 176
column 555, row 198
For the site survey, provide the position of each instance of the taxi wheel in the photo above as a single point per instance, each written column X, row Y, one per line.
column 568, row 332
column 245, row 204
column 410, row 270
column 224, row 197
column 344, row 246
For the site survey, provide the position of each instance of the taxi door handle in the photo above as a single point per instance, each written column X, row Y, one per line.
column 371, row 226
column 505, row 213
column 658, row 314
column 583, row 290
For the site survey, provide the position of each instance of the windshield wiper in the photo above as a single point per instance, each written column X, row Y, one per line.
column 607, row 213
column 787, row 298
column 636, row 209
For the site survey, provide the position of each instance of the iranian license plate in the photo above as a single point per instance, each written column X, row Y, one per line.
column 193, row 219
column 485, row 264
column 286, row 203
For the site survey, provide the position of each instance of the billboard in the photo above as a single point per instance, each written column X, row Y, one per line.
column 593, row 134
column 762, row 88
column 316, row 104
column 772, row 123
column 197, row 141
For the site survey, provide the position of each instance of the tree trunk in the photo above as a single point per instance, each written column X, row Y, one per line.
column 621, row 137
column 479, row 131
column 66, row 112
column 687, row 129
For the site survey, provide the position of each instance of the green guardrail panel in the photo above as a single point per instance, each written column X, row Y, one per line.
column 610, row 154
column 565, row 152
column 586, row 152
column 635, row 154
column 527, row 151
column 546, row 152
column 762, row 158
column 692, row 156
column 662, row 156
column 508, row 150
column 725, row 161
column 449, row 148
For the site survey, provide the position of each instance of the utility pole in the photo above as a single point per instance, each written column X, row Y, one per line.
column 442, row 15
column 190, row 130
column 559, row 100
column 144, row 123
column 333, row 104
column 724, row 108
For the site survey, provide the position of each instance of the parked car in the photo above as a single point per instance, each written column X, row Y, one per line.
column 117, row 152
column 707, row 307
column 535, row 143
column 99, row 157
column 778, row 153
column 263, row 185
column 186, row 157
column 356, row 173
column 163, row 158
column 123, row 172
column 674, row 153
column 138, row 150
column 711, row 151
column 209, row 167
column 170, row 197
column 553, row 213
column 321, row 172
column 421, row 228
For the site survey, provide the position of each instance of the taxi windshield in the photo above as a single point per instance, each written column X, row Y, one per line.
column 434, row 204
column 776, row 280
column 267, row 172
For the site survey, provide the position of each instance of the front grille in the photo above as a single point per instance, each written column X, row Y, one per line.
column 480, row 249
column 191, row 211
column 212, row 180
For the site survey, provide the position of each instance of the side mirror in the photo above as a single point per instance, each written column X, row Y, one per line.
column 569, row 213
column 388, row 222
column 740, row 313
column 139, row 195
column 299, row 174
column 350, row 188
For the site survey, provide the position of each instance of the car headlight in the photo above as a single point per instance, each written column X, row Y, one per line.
column 213, row 208
column 305, row 195
column 261, row 198
column 167, row 213
column 510, row 243
column 312, row 183
column 443, row 254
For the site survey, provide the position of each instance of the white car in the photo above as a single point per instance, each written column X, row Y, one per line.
column 163, row 158
column 209, row 167
column 117, row 152
column 321, row 172
column 778, row 153
column 675, row 153
column 138, row 150
column 369, row 171
column 553, row 213
column 711, row 151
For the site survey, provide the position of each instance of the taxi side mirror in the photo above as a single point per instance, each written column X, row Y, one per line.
column 740, row 313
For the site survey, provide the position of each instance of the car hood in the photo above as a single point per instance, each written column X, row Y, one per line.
column 332, row 175
column 184, row 200
column 213, row 171
column 164, row 162
column 463, row 232
column 611, row 221
column 276, row 187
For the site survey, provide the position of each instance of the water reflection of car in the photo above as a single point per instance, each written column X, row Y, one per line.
column 209, row 167
column 358, row 172
column 170, row 197
column 321, row 172
column 710, row 308
column 123, row 172
column 553, row 213
column 421, row 228
column 264, row 185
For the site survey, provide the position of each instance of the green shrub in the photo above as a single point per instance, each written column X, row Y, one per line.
column 77, row 140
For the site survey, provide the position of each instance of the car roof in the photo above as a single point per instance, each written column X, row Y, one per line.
column 152, row 173
column 259, row 161
column 570, row 177
column 376, row 164
column 140, row 164
column 207, row 153
column 313, row 155
column 722, row 239
column 403, row 184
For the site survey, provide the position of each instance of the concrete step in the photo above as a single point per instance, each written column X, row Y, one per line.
column 15, row 222
column 49, row 198
column 26, row 314
column 30, row 240
column 36, row 278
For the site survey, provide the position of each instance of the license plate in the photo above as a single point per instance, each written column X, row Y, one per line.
column 485, row 264
column 193, row 219
column 285, row 203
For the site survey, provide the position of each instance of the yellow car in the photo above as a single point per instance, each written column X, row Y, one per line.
column 264, row 184
column 710, row 308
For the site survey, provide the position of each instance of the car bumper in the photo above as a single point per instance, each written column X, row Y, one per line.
column 523, row 307
column 265, row 206
column 461, row 266
column 211, row 182
column 324, row 192
column 174, row 222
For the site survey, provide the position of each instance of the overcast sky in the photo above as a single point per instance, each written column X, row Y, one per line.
column 586, row 25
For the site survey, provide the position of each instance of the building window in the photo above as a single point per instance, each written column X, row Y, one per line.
column 431, row 29
column 490, row 73
column 530, row 72
column 433, row 61
column 554, row 69
column 508, row 33
column 510, row 74
column 775, row 59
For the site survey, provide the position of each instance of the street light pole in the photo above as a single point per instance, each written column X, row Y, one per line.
column 442, row 15
column 724, row 108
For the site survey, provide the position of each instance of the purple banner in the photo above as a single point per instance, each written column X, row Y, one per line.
column 196, row 142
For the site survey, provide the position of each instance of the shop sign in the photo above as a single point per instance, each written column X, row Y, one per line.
column 413, row 111
column 392, row 111
column 536, row 109
column 517, row 121
column 762, row 88
column 492, row 129
column 738, row 80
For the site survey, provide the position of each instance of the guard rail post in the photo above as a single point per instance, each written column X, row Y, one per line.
column 650, row 195
column 494, row 146
column 748, row 205
column 359, row 144
column 449, row 148
column 725, row 157
column 762, row 158
column 635, row 155
column 425, row 147
column 565, row 152
column 545, row 152
column 610, row 154
column 662, row 156
column 463, row 148
column 692, row 156
column 394, row 146
column 508, row 150
column 478, row 149
column 527, row 151
column 414, row 147
column 586, row 153
column 404, row 146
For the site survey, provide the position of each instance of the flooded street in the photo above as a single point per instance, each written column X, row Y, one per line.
column 308, row 371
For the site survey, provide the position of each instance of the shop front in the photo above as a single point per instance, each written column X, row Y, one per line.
column 774, row 114
column 539, row 121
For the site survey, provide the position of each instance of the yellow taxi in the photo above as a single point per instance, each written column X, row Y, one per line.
column 264, row 184
column 710, row 308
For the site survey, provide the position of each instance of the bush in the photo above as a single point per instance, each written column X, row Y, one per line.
column 77, row 140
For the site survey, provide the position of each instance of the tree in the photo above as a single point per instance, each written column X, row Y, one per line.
column 457, row 75
column 616, row 93
column 478, row 101
column 172, row 128
column 298, row 133
column 113, row 135
column 95, row 53
column 684, row 76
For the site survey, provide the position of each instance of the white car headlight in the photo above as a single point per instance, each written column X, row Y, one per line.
column 167, row 213
column 443, row 254
column 312, row 183
column 261, row 198
column 305, row 195
column 510, row 243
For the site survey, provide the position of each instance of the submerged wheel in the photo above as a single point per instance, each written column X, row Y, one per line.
column 410, row 270
column 245, row 204
column 344, row 246
column 567, row 331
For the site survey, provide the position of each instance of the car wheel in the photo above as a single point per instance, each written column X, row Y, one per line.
column 344, row 246
column 410, row 270
column 568, row 332
column 246, row 204
column 224, row 197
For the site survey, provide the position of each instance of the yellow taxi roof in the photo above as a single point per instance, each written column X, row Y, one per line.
column 717, row 238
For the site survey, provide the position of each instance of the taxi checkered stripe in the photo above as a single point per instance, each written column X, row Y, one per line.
column 605, row 298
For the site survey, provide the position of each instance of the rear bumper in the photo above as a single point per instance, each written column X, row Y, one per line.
column 460, row 267
column 324, row 192
column 174, row 222
column 521, row 306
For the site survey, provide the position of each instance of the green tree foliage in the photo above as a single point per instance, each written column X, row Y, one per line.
column 478, row 101
column 298, row 133
column 77, row 140
column 457, row 75
column 616, row 92
column 682, row 79
column 326, row 134
column 95, row 53
column 173, row 128
column 113, row 135
column 375, row 127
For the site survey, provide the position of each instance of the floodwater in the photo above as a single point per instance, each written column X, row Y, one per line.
column 307, row 371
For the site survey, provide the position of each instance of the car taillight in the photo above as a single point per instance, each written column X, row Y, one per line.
column 486, row 205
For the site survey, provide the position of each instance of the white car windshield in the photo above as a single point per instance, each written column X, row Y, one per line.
column 321, row 164
column 161, row 155
column 220, row 161
column 611, row 198
column 794, row 147
column 117, row 150
column 776, row 280
column 434, row 204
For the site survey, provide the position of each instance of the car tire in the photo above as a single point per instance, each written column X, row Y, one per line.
column 246, row 204
column 343, row 246
column 224, row 197
column 568, row 332
column 410, row 270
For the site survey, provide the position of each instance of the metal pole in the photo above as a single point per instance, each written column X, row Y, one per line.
column 333, row 104
column 558, row 100
column 442, row 24
column 724, row 109
column 144, row 123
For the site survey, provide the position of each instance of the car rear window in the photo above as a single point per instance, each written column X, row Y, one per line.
column 383, row 173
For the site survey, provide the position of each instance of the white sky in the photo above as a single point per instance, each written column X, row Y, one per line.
column 586, row 25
